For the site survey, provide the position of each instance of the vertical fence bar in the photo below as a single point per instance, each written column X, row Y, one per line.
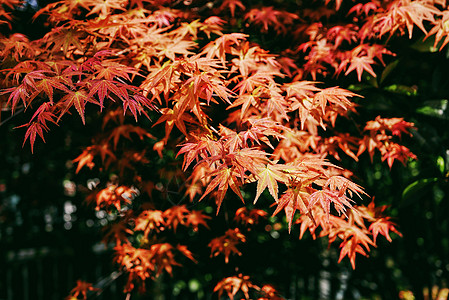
column 113, row 289
column 324, row 285
column 55, row 280
column 40, row 278
column 26, row 285
column 50, row 275
column 293, row 286
column 9, row 292
column 70, row 280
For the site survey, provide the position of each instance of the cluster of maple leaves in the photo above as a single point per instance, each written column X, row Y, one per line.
column 242, row 117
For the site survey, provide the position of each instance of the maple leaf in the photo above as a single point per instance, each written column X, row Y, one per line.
column 401, row 14
column 11, row 3
column 350, row 248
column 397, row 152
column 42, row 115
column 103, row 88
column 268, row 16
column 189, row 29
column 105, row 8
column 164, row 16
column 205, row 85
column 268, row 176
column 246, row 159
column 338, row 34
column 17, row 93
column 440, row 30
column 365, row 8
column 163, row 257
column 116, row 233
column 224, row 178
column 397, row 126
column 231, row 285
column 213, row 24
column 34, row 82
column 81, row 289
column 114, row 195
column 107, row 69
column 361, row 64
column 176, row 47
column 344, row 142
column 47, row 84
column 369, row 143
column 383, row 226
column 300, row 89
column 337, row 3
column 223, row 45
column 201, row 147
column 87, row 57
column 149, row 220
column 336, row 96
column 226, row 244
column 198, row 179
column 186, row 252
column 125, row 131
column 248, row 84
column 136, row 261
column 85, row 159
column 65, row 39
column 269, row 293
column 325, row 197
column 17, row 45
column 196, row 218
column 291, row 201
column 77, row 99
column 231, row 5
column 343, row 185
column 170, row 119
column 87, row 156
column 261, row 129
column 249, row 217
column 176, row 215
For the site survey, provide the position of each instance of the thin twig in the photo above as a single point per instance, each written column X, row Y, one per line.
column 12, row 116
column 107, row 281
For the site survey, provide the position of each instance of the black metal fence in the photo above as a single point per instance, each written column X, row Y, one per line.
column 50, row 274
column 45, row 250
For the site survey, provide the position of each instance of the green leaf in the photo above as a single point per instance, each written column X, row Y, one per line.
column 388, row 69
column 401, row 89
column 440, row 164
column 425, row 46
column 416, row 190
column 358, row 87
column 435, row 108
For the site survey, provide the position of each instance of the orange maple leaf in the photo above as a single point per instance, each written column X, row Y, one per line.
column 268, row 176
column 226, row 244
column 232, row 285
column 383, row 226
column 81, row 289
column 224, row 178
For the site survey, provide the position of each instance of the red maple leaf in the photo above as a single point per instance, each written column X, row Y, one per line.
column 231, row 5
column 224, row 178
column 226, row 244
column 383, row 226
column 232, row 285
column 81, row 289
column 360, row 64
